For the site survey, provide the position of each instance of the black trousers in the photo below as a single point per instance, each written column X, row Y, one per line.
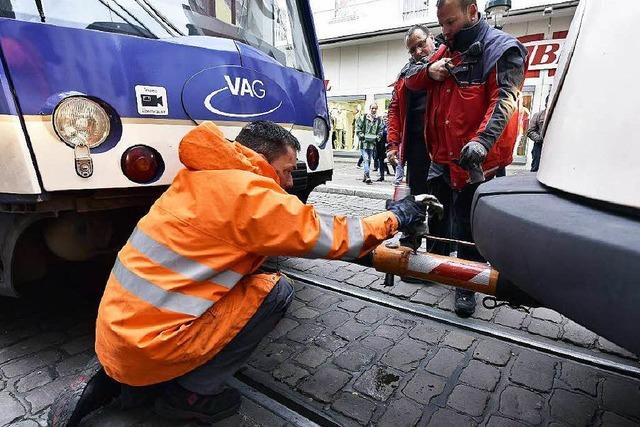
column 536, row 151
column 417, row 162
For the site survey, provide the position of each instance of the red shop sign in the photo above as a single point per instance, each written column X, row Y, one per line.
column 544, row 54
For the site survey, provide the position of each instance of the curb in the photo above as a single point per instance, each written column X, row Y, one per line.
column 369, row 194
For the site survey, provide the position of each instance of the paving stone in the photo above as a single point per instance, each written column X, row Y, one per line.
column 27, row 364
column 447, row 418
column 362, row 280
column 25, row 423
column 354, row 406
column 578, row 335
column 445, row 362
column 609, row 419
column 544, row 328
column 521, row 404
column 378, row 382
column 33, row 380
column 283, row 327
column 480, row 375
column 294, row 306
column 426, row 333
column 579, row 378
column 496, row 421
column 308, row 294
column 468, row 400
column 423, row 387
column 546, row 314
column 305, row 333
column 609, row 347
column 622, row 396
column 376, row 343
column 324, row 384
column 371, row 315
column 340, row 275
column 402, row 322
column 258, row 414
column 572, row 408
column 509, row 317
column 387, row 331
column 323, row 270
column 289, row 373
column 30, row 345
column 305, row 313
column 271, row 356
column 302, row 264
column 405, row 355
column 482, row 312
column 458, row 340
column 492, row 352
column 354, row 357
column 330, row 342
column 324, row 302
column 426, row 298
column 447, row 303
column 534, row 370
column 334, row 318
column 351, row 330
column 11, row 409
column 352, row 305
column 73, row 364
column 44, row 396
column 401, row 413
column 80, row 344
column 405, row 290
column 313, row 356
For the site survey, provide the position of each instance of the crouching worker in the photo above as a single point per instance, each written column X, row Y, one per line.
column 184, row 304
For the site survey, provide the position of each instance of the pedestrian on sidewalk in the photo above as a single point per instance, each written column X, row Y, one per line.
column 535, row 134
column 473, row 83
column 370, row 133
column 185, row 304
column 381, row 151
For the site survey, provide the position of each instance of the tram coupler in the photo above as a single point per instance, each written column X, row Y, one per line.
column 475, row 276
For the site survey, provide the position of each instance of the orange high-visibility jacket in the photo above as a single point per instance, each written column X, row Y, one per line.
column 185, row 284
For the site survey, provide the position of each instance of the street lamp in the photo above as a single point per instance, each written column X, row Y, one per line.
column 496, row 9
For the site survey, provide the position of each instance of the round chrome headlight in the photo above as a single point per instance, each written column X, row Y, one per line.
column 78, row 119
column 320, row 130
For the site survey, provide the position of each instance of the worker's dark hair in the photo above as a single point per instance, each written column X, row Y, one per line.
column 415, row 28
column 267, row 138
column 462, row 3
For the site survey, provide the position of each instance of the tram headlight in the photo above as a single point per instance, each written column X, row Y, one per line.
column 77, row 118
column 320, row 130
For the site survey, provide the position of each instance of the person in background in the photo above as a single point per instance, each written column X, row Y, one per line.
column 370, row 132
column 535, row 134
column 381, row 151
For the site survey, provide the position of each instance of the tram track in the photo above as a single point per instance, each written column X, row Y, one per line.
column 470, row 324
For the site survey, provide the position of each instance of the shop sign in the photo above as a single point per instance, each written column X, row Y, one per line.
column 544, row 54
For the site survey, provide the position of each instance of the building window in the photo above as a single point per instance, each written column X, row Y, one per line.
column 412, row 9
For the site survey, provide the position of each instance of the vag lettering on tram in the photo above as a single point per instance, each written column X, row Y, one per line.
column 95, row 97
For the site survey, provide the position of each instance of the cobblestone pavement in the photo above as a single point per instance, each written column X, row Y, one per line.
column 354, row 361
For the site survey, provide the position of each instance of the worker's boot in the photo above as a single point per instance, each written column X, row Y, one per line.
column 181, row 404
column 465, row 303
column 91, row 390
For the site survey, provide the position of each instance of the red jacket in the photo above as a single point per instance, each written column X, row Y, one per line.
column 481, row 108
column 397, row 119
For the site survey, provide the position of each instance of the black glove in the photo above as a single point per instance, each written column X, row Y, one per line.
column 408, row 211
column 472, row 154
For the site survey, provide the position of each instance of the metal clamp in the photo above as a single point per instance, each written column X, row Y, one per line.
column 82, row 157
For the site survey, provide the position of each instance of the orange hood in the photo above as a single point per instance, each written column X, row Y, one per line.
column 206, row 148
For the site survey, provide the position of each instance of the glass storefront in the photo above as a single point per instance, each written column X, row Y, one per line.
column 343, row 112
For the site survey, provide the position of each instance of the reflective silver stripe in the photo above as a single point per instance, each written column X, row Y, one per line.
column 325, row 239
column 356, row 238
column 158, row 297
column 163, row 255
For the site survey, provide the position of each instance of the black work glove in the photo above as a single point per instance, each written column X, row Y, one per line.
column 408, row 211
column 472, row 154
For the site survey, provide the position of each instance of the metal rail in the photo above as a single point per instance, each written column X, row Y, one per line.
column 492, row 330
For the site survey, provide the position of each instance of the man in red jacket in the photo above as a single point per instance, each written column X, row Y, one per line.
column 473, row 85
column 405, row 133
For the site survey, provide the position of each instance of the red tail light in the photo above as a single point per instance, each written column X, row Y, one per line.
column 142, row 164
column 313, row 157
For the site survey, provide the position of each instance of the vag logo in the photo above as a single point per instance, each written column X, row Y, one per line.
column 242, row 88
